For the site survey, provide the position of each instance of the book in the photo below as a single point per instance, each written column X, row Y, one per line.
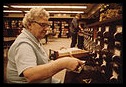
column 71, row 52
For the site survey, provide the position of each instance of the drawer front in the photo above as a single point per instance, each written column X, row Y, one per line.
column 85, row 77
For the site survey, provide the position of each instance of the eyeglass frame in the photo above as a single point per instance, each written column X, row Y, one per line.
column 45, row 25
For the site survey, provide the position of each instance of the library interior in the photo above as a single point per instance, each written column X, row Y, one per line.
column 98, row 42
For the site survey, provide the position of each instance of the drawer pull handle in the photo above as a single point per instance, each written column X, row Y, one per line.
column 87, row 80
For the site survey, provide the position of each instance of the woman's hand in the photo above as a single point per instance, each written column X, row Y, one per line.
column 71, row 63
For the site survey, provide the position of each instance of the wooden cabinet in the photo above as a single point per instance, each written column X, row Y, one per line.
column 106, row 53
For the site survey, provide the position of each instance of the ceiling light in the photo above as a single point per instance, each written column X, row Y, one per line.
column 64, row 11
column 48, row 11
column 5, row 6
column 82, row 7
column 11, row 11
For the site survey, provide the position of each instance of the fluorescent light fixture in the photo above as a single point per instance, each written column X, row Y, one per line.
column 5, row 6
column 64, row 11
column 48, row 11
column 11, row 11
column 79, row 7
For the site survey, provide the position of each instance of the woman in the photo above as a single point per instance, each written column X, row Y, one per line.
column 27, row 60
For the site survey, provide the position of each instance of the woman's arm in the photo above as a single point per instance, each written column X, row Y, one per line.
column 45, row 71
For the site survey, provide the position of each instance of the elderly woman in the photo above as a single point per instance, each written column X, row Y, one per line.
column 27, row 60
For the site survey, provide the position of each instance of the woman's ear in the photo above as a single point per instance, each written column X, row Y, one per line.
column 30, row 26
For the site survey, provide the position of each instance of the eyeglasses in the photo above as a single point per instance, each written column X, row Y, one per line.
column 45, row 25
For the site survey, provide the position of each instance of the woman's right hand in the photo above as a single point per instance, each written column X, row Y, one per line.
column 71, row 63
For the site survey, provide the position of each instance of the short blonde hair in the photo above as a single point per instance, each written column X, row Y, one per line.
column 33, row 14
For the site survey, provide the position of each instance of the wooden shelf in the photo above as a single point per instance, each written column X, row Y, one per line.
column 106, row 21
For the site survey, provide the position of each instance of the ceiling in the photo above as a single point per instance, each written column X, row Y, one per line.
column 91, row 10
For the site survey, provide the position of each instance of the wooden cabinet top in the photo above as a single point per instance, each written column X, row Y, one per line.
column 106, row 21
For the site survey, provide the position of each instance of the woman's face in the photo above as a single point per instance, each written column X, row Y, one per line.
column 39, row 28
